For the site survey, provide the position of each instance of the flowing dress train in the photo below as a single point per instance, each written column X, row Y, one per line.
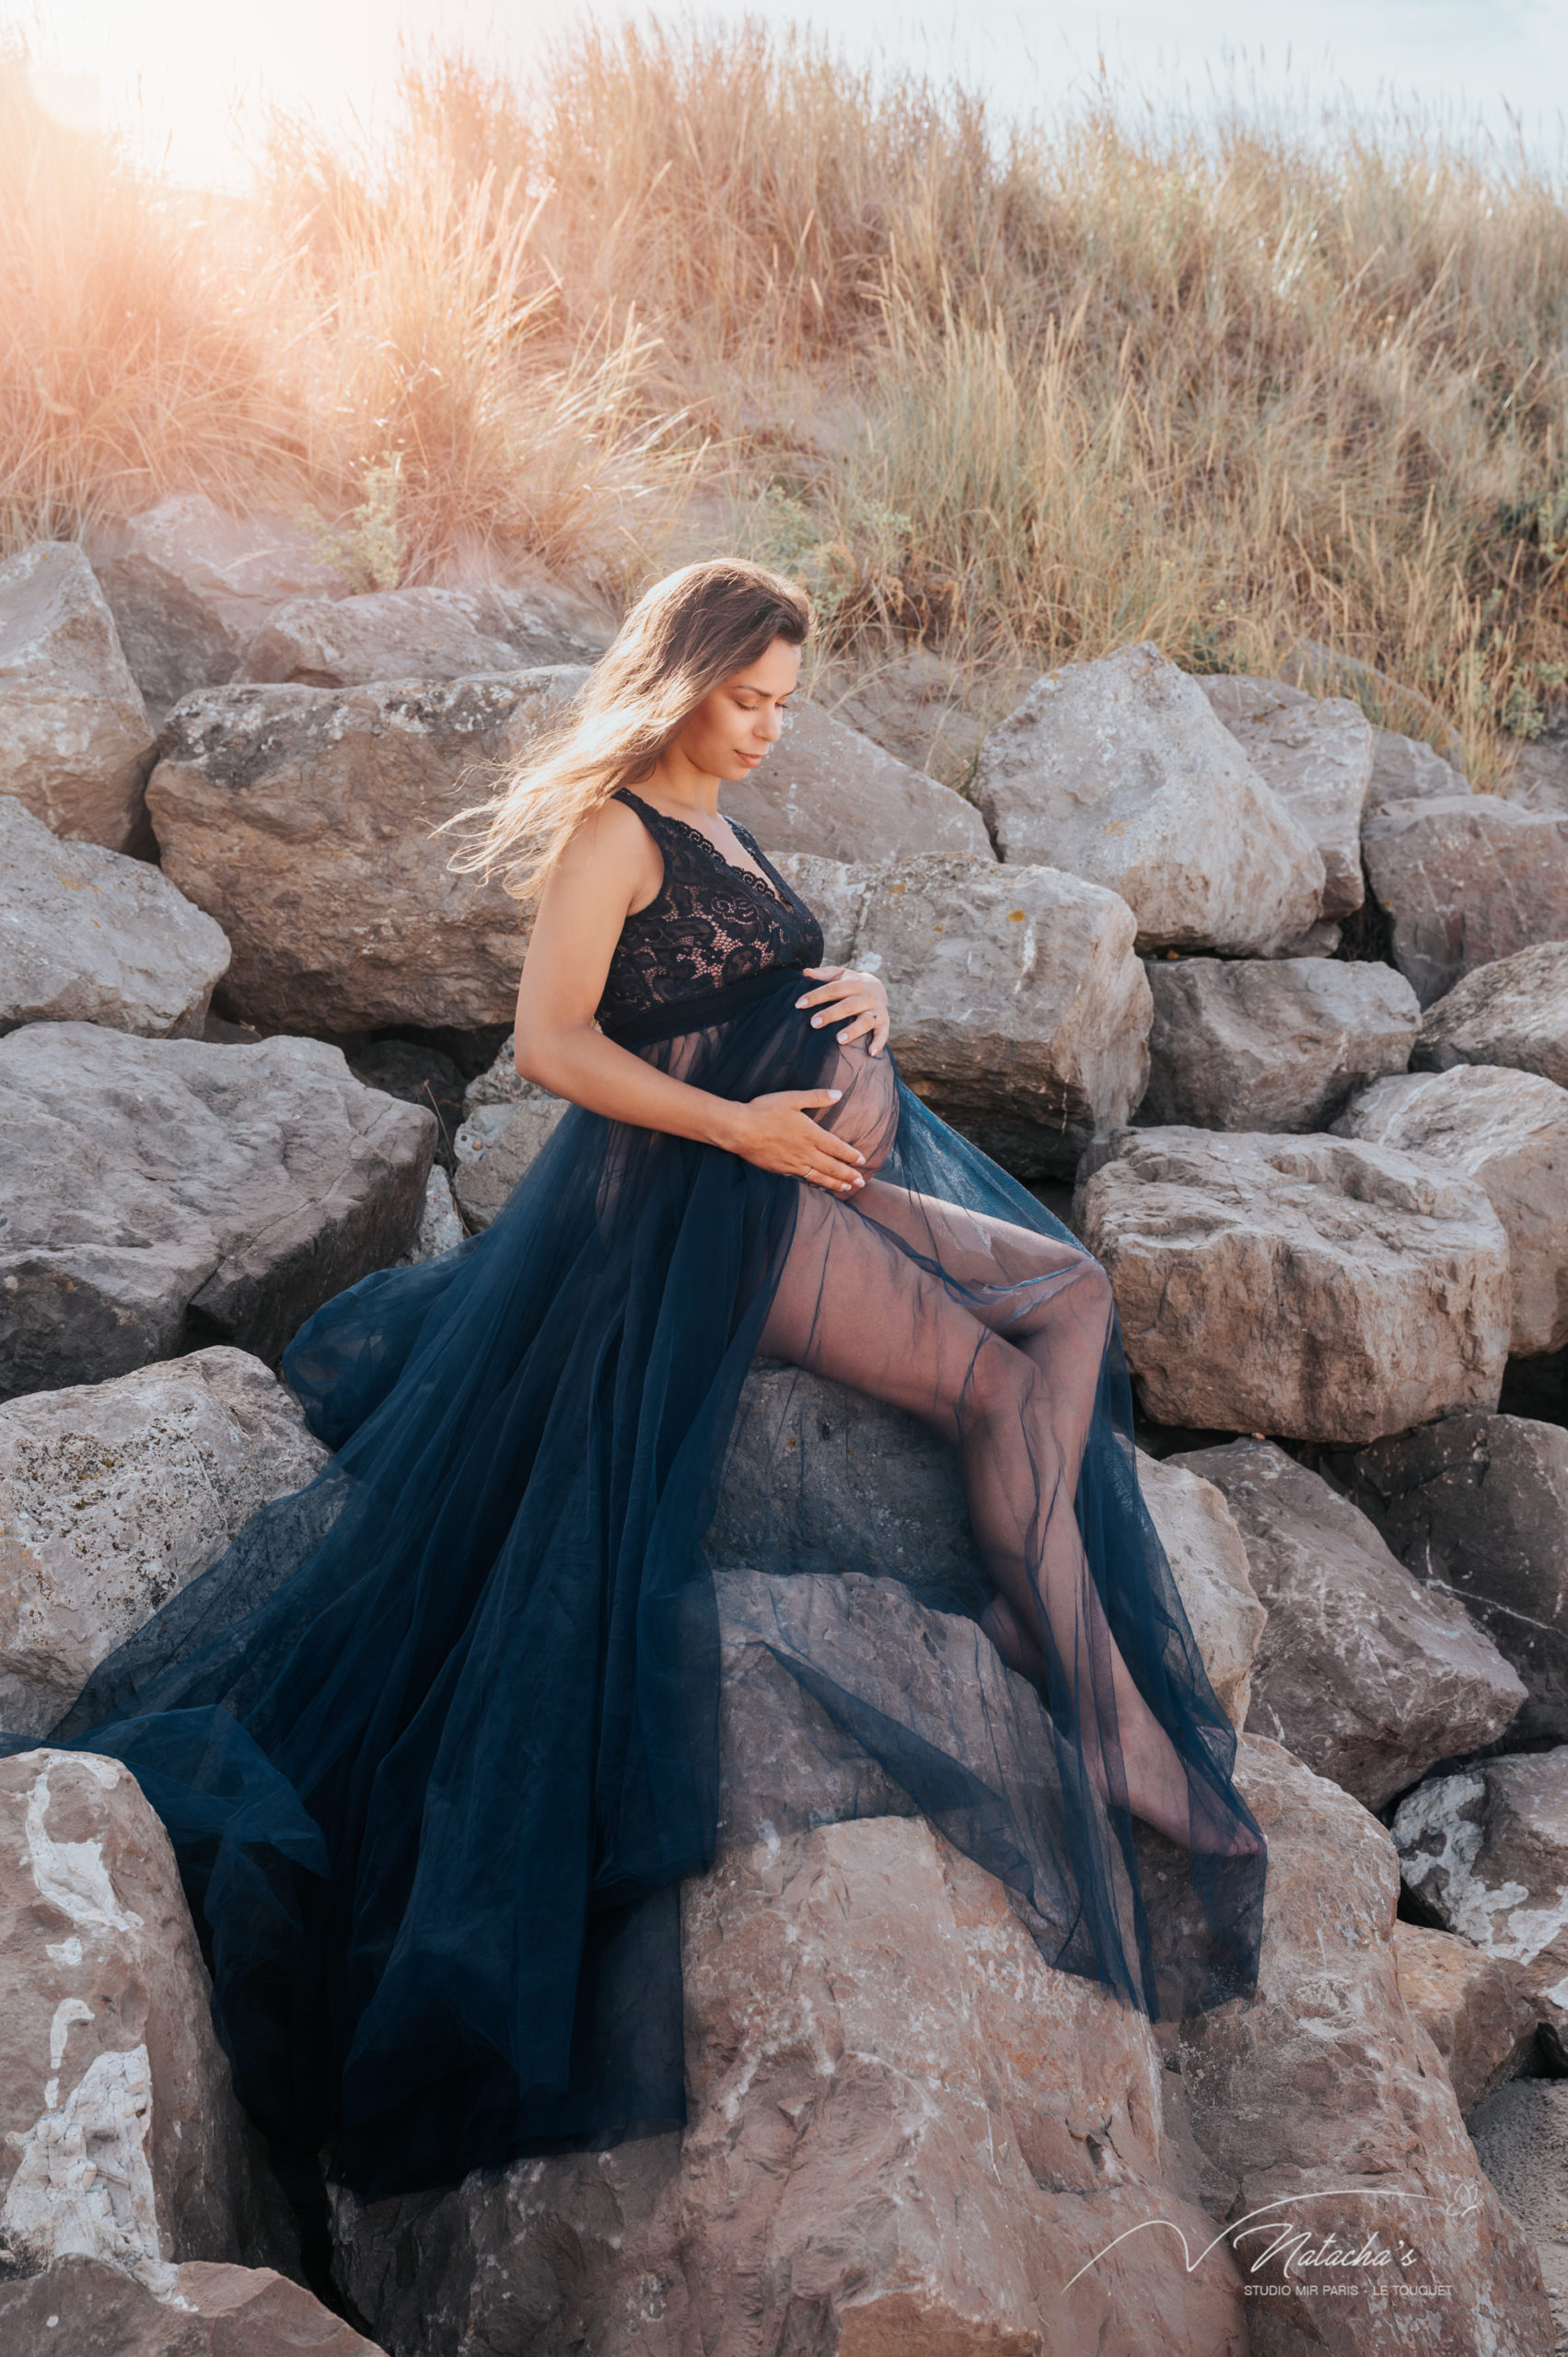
column 437, row 1738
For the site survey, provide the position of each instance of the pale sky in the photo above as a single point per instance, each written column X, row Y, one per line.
column 189, row 77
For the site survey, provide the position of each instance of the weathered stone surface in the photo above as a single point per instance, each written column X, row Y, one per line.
column 507, row 1120
column 113, row 1495
column 1325, row 2106
column 188, row 584
column 907, row 2133
column 1487, row 1849
column 1363, row 1673
column 302, row 819
column 1389, row 703
column 1479, row 2011
column 1256, row 1044
column 75, row 738
column 409, row 634
column 81, row 2305
column 1468, row 879
column 1305, row 1286
column 1508, row 1131
column 1019, row 1009
column 1521, row 2139
column 1405, row 769
column 1119, row 772
column 826, row 1480
column 922, row 707
column 157, row 1193
column 441, row 1225
column 89, row 936
column 1479, row 1505
column 108, row 2055
column 1315, row 754
column 827, row 791
column 1514, row 1012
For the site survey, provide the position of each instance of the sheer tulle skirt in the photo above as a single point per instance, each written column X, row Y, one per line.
column 438, row 1738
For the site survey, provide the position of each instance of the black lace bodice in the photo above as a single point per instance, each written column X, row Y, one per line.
column 709, row 926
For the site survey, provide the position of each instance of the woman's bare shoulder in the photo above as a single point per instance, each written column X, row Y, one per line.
column 611, row 841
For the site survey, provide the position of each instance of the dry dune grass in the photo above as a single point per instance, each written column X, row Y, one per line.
column 1048, row 390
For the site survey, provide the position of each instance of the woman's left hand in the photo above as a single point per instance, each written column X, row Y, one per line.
column 845, row 992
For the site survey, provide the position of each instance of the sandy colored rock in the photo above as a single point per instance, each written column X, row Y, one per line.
column 410, row 635
column 1477, row 2010
column 1468, row 879
column 114, row 1495
column 919, row 706
column 1487, row 1848
column 75, row 738
column 1508, row 1131
column 1478, row 1505
column 1256, row 1044
column 1514, row 1012
column 1309, row 1287
column 907, row 2133
column 302, row 819
column 1521, row 2138
column 1326, row 2099
column 160, row 1193
column 1389, row 703
column 1315, row 754
column 1019, row 1009
column 1118, row 771
column 1362, row 1672
column 826, row 790
column 81, row 2305
column 89, row 936
column 820, row 1479
column 1405, row 769
column 188, row 584
column 107, row 2046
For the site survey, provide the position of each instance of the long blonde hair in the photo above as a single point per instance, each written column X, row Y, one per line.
column 686, row 635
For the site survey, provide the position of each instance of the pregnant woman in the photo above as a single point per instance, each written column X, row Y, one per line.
column 438, row 1738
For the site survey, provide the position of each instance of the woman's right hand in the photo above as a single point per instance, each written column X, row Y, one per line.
column 777, row 1132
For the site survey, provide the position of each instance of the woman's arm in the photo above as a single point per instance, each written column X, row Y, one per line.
column 610, row 867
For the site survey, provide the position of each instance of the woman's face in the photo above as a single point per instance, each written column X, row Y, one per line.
column 735, row 726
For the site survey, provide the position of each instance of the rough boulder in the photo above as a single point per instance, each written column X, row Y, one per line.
column 75, row 738
column 1252, row 1044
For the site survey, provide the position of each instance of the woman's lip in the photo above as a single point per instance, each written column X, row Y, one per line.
column 751, row 760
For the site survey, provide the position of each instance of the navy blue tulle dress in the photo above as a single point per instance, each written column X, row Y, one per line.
column 437, row 1738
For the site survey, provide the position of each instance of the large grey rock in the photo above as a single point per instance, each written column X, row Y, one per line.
column 1508, row 1131
column 302, row 819
column 1480, row 2011
column 1468, row 879
column 1405, row 769
column 1119, row 772
column 1387, row 703
column 113, row 1495
column 188, row 584
column 1256, row 1044
column 1478, row 1505
column 1325, row 2114
column 120, row 2136
column 87, row 936
column 826, row 790
column 1304, row 1286
column 922, row 706
column 1019, row 1009
column 826, row 1482
column 75, row 738
column 1315, row 753
column 1487, row 1849
column 907, row 2135
column 1514, row 1012
column 411, row 634
column 1362, row 1672
column 82, row 2305
column 157, row 1193
column 440, row 1226
column 1520, row 2133
column 506, row 1120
